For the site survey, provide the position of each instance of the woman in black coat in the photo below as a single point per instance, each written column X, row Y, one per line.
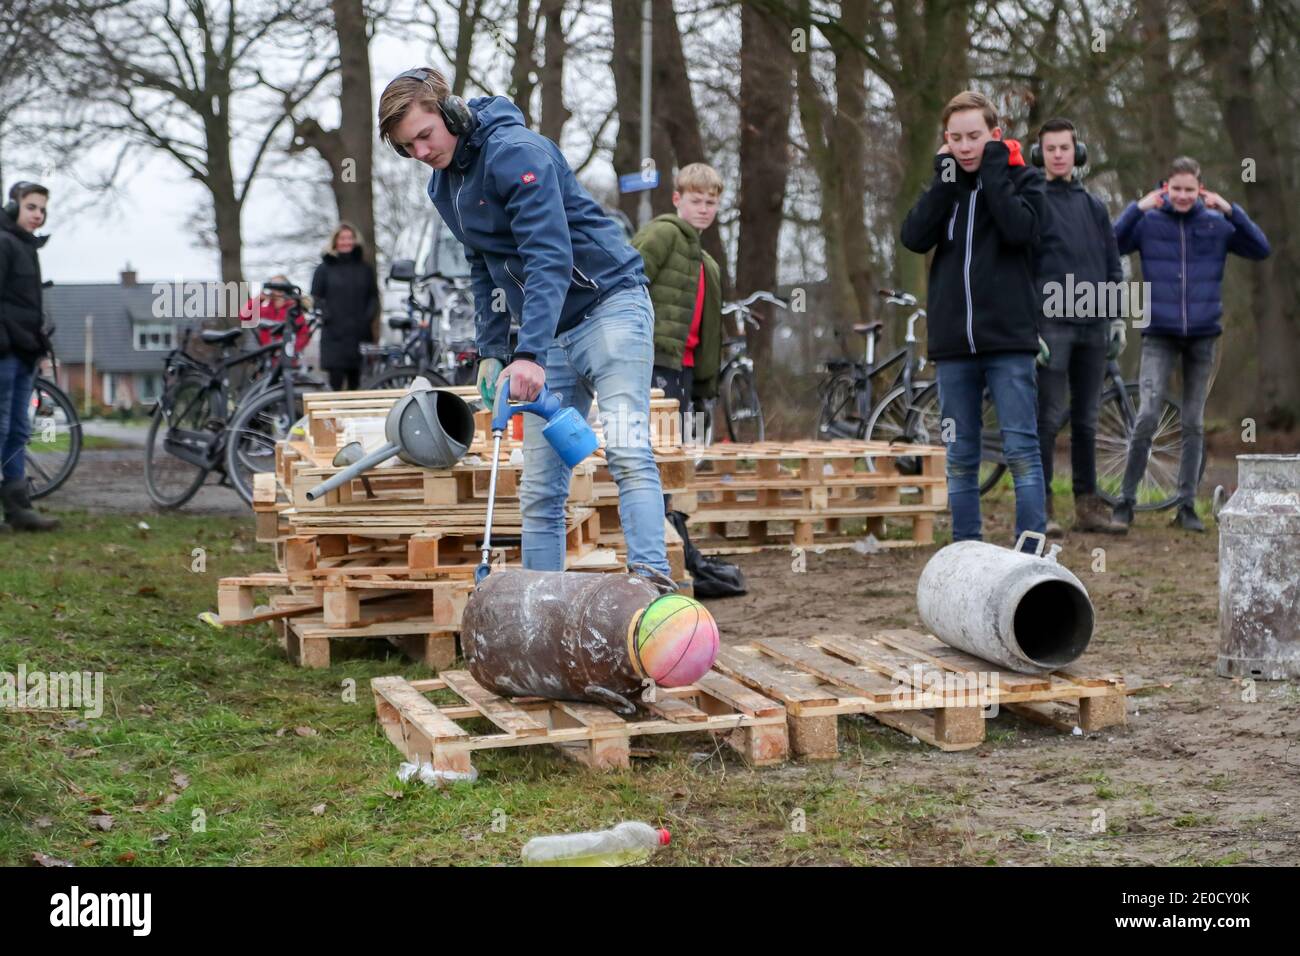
column 347, row 291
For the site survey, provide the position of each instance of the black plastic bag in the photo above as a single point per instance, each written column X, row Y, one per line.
column 714, row 578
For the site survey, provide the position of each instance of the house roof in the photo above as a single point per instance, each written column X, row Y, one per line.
column 116, row 309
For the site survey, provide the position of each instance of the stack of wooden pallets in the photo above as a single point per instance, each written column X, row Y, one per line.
column 816, row 490
column 393, row 555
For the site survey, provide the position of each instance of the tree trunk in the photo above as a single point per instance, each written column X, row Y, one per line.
column 521, row 80
column 766, row 96
column 626, row 66
column 467, row 12
column 848, row 131
column 554, row 113
column 1159, row 120
column 1226, row 37
column 352, row 181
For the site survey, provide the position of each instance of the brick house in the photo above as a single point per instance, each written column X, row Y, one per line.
column 108, row 337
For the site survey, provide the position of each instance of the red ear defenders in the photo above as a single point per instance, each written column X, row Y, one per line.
column 455, row 111
column 1080, row 154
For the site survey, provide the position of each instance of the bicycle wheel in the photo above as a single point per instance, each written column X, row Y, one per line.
column 402, row 376
column 925, row 423
column 250, row 440
column 839, row 416
column 888, row 423
column 1158, row 488
column 54, row 446
column 741, row 409
column 178, row 441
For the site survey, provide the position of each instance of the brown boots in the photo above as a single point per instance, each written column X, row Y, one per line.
column 1092, row 514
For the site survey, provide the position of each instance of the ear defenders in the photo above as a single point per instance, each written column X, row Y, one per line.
column 455, row 111
column 1080, row 154
column 11, row 207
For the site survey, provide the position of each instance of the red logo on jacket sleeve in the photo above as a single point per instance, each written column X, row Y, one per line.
column 528, row 177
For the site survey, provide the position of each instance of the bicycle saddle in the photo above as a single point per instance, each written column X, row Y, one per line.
column 866, row 328
column 221, row 336
column 400, row 322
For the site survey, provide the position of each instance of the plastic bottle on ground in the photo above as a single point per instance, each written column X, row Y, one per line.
column 624, row 845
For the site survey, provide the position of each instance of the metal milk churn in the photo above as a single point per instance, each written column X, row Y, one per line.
column 1259, row 571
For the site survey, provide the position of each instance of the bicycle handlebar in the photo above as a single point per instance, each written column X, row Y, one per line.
column 759, row 296
column 897, row 297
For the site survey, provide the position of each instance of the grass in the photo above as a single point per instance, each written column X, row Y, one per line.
column 213, row 750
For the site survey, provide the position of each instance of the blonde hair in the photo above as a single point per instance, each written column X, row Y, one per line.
column 398, row 96
column 970, row 100
column 698, row 178
column 332, row 245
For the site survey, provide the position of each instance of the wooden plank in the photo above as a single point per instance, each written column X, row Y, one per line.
column 496, row 709
column 736, row 695
column 931, row 648
column 676, row 709
column 831, row 669
column 753, row 670
column 417, row 710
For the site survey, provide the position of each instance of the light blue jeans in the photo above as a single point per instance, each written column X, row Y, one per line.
column 609, row 353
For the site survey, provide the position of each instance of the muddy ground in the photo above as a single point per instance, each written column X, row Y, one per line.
column 1201, row 774
column 1204, row 772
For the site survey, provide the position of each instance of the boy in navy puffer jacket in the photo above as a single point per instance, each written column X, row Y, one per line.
column 1184, row 233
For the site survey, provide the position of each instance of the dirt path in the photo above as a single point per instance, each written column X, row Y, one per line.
column 111, row 481
column 1200, row 774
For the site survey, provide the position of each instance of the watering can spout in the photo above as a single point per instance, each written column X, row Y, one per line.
column 376, row 457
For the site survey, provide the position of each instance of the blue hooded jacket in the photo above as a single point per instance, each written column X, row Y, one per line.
column 1183, row 255
column 530, row 231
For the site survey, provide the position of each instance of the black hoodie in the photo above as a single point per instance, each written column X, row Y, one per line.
column 982, row 226
column 21, row 317
column 1076, row 240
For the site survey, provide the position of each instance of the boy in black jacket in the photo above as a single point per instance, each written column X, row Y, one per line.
column 981, row 215
column 1076, row 260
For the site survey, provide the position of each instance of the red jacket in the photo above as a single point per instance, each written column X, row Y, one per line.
column 271, row 313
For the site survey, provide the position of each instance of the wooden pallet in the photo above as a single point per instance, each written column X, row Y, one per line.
column 595, row 736
column 912, row 682
column 404, row 622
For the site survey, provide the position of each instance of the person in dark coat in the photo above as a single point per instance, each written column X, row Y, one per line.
column 22, row 344
column 347, row 291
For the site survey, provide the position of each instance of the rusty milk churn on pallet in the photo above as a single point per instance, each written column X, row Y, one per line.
column 584, row 636
column 1259, row 571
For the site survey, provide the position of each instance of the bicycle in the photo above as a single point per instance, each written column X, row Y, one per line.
column 54, row 446
column 189, row 437
column 421, row 351
column 1120, row 400
column 737, row 393
column 847, row 405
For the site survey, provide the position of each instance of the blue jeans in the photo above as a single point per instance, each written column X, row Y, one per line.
column 1011, row 379
column 16, row 378
column 610, row 353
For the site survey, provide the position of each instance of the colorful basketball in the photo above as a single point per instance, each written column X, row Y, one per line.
column 676, row 640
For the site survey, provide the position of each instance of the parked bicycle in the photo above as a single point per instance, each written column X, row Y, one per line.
column 858, row 400
column 737, row 393
column 54, row 447
column 439, row 336
column 205, row 423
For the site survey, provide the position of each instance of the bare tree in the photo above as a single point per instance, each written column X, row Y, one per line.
column 181, row 78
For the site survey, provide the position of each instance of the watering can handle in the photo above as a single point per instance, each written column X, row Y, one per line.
column 546, row 405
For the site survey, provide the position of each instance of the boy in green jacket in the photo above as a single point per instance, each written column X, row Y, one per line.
column 685, row 289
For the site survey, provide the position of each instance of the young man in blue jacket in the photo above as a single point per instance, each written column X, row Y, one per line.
column 1184, row 233
column 542, row 250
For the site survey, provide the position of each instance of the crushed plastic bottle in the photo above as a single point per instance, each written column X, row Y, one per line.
column 425, row 773
column 627, row 844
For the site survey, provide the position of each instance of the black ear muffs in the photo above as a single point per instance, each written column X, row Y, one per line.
column 11, row 207
column 1080, row 154
column 456, row 114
